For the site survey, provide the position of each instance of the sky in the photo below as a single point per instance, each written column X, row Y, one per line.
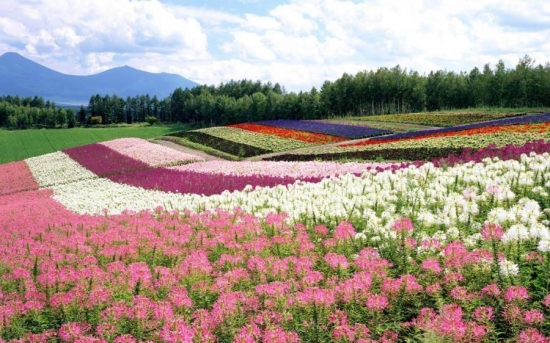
column 298, row 44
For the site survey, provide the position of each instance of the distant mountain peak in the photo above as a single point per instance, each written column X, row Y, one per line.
column 24, row 77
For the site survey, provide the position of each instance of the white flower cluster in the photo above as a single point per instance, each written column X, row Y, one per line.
column 281, row 169
column 447, row 200
column 154, row 155
column 57, row 168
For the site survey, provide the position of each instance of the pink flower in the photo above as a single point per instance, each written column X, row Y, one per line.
column 532, row 335
column 433, row 290
column 460, row 293
column 336, row 261
column 491, row 290
column 125, row 339
column 432, row 265
column 403, row 224
column 70, row 332
column 513, row 314
column 177, row 331
column 278, row 335
column 483, row 314
column 533, row 316
column 516, row 293
column 377, row 302
column 491, row 231
column 344, row 230
column 546, row 301
column 321, row 230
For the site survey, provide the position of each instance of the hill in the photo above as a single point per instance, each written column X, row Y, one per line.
column 23, row 77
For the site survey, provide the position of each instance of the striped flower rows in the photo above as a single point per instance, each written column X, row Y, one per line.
column 152, row 154
column 304, row 136
column 453, row 254
column 348, row 131
column 526, row 124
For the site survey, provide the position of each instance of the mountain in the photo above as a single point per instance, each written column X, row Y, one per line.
column 23, row 77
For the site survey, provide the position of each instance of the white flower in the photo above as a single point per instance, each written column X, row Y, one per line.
column 544, row 245
column 508, row 268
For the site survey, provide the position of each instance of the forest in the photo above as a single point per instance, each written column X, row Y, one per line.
column 381, row 91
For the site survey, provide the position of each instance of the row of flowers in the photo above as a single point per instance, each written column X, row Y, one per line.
column 153, row 155
column 298, row 170
column 16, row 177
column 476, row 141
column 259, row 140
column 304, row 136
column 220, row 144
column 457, row 254
column 383, row 125
column 443, row 118
column 348, row 131
column 538, row 123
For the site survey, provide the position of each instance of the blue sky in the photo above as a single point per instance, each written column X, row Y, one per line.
column 299, row 44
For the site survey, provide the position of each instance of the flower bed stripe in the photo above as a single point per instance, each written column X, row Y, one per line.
column 442, row 119
column 348, row 131
column 298, row 170
column 483, row 127
column 154, row 155
column 190, row 182
column 309, row 137
column 57, row 168
column 459, row 131
column 255, row 139
column 16, row 177
column 224, row 145
column 103, row 161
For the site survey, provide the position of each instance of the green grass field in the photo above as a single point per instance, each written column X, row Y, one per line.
column 20, row 144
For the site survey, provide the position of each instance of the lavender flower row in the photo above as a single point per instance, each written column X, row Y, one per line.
column 348, row 131
column 190, row 182
column 103, row 161
column 539, row 118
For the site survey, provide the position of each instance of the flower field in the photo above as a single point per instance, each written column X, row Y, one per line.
column 253, row 139
column 242, row 143
column 348, row 131
column 443, row 118
column 524, row 124
column 128, row 241
column 304, row 136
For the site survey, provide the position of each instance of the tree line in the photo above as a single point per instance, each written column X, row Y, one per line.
column 381, row 91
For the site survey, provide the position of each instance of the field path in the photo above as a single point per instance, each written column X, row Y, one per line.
column 186, row 150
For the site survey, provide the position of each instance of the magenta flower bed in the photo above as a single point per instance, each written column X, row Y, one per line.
column 171, row 180
column 103, row 161
column 507, row 152
column 16, row 177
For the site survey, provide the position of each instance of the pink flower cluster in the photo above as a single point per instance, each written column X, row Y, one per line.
column 16, row 177
column 154, row 155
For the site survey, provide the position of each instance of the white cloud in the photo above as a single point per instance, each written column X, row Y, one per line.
column 298, row 43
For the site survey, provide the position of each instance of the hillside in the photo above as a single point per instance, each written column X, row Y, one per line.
column 23, row 77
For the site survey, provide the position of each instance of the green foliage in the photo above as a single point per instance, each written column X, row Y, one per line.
column 21, row 144
column 151, row 120
column 224, row 145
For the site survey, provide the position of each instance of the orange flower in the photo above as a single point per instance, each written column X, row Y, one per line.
column 518, row 128
column 309, row 137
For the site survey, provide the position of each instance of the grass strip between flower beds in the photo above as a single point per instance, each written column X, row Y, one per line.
column 224, row 145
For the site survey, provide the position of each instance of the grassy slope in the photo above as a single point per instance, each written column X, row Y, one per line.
column 20, row 144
